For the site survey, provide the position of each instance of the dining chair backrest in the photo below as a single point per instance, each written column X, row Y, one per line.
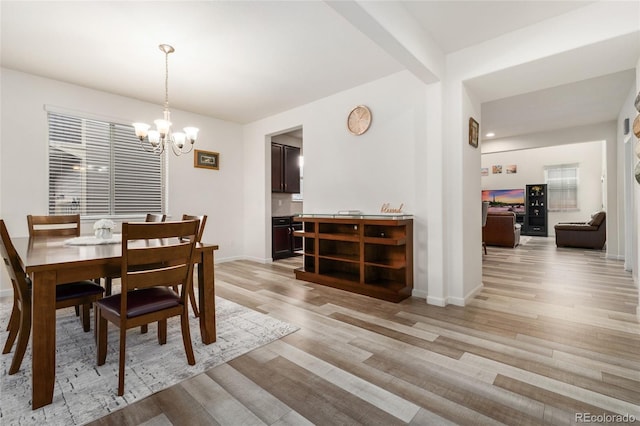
column 201, row 219
column 165, row 260
column 54, row 225
column 153, row 217
column 13, row 264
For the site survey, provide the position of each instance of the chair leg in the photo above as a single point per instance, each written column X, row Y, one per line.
column 23, row 338
column 86, row 317
column 194, row 305
column 13, row 327
column 162, row 331
column 144, row 328
column 77, row 310
column 107, row 286
column 186, row 337
column 123, row 345
column 101, row 325
column 15, row 314
column 484, row 246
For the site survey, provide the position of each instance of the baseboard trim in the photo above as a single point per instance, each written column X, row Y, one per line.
column 473, row 293
column 464, row 301
column 419, row 293
column 615, row 257
column 436, row 301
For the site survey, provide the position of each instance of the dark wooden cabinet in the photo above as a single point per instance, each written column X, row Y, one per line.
column 372, row 256
column 535, row 221
column 285, row 168
column 283, row 241
column 277, row 168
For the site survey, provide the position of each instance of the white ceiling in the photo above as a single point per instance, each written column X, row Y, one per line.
column 245, row 60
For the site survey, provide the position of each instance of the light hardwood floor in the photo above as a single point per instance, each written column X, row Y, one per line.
column 553, row 333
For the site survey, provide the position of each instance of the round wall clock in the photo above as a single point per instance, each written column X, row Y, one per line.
column 359, row 120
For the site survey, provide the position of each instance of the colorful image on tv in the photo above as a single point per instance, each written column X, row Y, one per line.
column 504, row 200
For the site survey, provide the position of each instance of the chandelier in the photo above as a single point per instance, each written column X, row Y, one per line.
column 156, row 140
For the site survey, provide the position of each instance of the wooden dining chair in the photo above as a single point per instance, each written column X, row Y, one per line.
column 202, row 220
column 149, row 272
column 153, row 217
column 54, row 225
column 78, row 293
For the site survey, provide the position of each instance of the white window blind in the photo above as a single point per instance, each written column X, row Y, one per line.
column 97, row 168
column 562, row 186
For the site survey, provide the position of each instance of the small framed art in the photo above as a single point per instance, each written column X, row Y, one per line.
column 474, row 132
column 206, row 159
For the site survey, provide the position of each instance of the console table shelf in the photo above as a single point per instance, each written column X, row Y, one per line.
column 371, row 256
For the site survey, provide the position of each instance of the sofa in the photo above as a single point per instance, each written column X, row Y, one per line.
column 589, row 235
column 501, row 230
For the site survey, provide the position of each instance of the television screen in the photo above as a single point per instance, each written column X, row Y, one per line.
column 504, row 200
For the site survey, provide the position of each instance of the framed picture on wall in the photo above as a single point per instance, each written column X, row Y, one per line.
column 206, row 159
column 474, row 132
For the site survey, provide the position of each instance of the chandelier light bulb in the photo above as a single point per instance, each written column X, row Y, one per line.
column 154, row 137
column 162, row 126
column 141, row 130
column 192, row 133
column 179, row 138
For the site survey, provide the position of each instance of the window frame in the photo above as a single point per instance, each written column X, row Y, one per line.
column 113, row 135
column 563, row 187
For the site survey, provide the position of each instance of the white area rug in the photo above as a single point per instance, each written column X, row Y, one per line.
column 84, row 392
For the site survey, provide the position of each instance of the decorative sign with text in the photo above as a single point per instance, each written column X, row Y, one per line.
column 386, row 208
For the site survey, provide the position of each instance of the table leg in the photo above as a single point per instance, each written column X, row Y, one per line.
column 206, row 297
column 43, row 341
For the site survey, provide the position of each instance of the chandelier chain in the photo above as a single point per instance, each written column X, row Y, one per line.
column 166, row 81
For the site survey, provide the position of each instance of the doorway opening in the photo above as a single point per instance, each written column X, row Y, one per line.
column 287, row 177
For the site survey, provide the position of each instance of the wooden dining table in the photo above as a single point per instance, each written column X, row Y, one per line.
column 50, row 262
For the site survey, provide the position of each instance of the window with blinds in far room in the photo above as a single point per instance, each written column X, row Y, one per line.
column 562, row 187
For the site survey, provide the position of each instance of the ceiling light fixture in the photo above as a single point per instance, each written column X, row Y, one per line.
column 490, row 134
column 156, row 140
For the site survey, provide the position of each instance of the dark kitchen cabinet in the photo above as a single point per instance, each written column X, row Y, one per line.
column 283, row 242
column 285, row 168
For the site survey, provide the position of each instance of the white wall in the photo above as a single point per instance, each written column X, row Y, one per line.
column 625, row 179
column 343, row 171
column 23, row 156
column 636, row 207
column 530, row 170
